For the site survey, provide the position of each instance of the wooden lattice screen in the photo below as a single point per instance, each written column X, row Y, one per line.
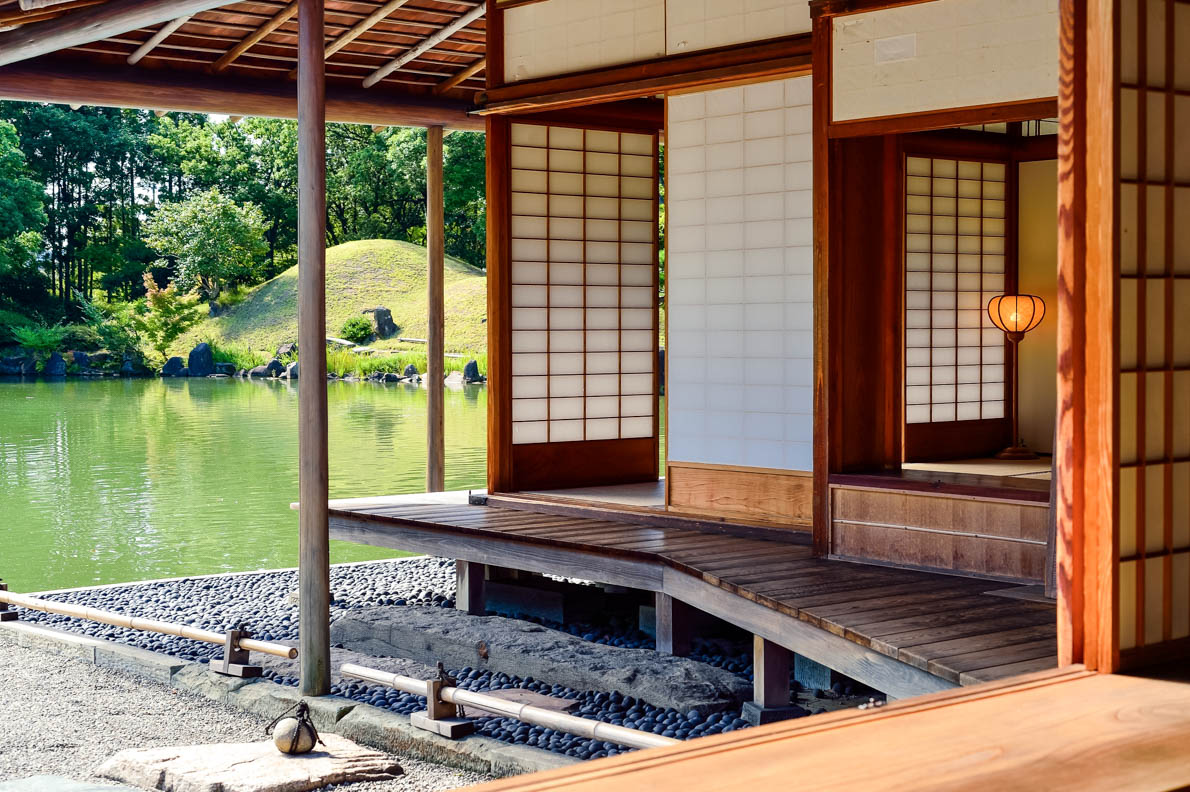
column 1153, row 323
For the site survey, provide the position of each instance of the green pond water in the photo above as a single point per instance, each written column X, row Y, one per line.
column 105, row 481
column 108, row 481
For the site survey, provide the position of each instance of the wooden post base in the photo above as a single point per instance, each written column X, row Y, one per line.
column 450, row 728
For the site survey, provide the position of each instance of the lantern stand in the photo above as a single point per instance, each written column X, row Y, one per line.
column 1016, row 314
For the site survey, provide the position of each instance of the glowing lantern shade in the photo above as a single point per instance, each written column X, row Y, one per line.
column 1016, row 314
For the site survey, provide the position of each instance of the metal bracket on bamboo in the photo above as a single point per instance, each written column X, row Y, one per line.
column 236, row 661
column 441, row 717
column 5, row 613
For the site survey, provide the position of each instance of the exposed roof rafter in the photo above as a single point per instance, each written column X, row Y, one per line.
column 427, row 44
column 460, row 76
column 256, row 36
column 157, row 38
column 97, row 22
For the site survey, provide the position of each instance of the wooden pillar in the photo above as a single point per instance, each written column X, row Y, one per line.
column 314, row 536
column 673, row 625
column 770, row 674
column 469, row 588
column 435, row 347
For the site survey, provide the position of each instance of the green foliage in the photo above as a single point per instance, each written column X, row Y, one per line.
column 232, row 297
column 118, row 325
column 215, row 241
column 22, row 215
column 82, row 337
column 166, row 315
column 238, row 356
column 346, row 363
column 357, row 329
column 40, row 339
column 10, row 320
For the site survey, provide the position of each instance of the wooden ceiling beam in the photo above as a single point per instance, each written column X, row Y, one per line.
column 66, row 81
column 427, row 44
column 256, row 36
column 161, row 35
column 458, row 77
column 360, row 28
column 113, row 18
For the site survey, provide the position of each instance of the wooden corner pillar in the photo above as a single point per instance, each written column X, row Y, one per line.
column 314, row 488
column 435, row 335
column 1086, row 454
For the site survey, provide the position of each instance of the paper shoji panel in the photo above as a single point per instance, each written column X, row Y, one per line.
column 1154, row 322
column 740, row 276
column 955, row 235
column 584, row 294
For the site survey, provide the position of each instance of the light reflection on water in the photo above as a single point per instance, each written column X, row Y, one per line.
column 114, row 480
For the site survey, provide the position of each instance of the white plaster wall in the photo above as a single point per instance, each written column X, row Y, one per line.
column 943, row 54
column 562, row 36
column 703, row 24
column 740, row 276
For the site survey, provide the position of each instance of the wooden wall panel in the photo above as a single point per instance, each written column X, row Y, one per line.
column 782, row 497
column 1003, row 539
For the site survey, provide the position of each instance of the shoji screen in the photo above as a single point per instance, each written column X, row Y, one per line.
column 956, row 244
column 583, row 285
column 1153, row 324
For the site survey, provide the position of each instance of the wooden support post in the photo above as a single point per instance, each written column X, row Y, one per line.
column 436, row 261
column 673, row 625
column 469, row 587
column 770, row 673
column 314, row 533
column 771, row 664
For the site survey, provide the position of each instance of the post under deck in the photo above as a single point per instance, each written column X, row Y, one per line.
column 900, row 631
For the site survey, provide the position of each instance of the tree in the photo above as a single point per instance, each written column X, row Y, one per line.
column 22, row 215
column 214, row 241
column 166, row 314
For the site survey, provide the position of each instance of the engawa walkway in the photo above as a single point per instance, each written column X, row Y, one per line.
column 904, row 632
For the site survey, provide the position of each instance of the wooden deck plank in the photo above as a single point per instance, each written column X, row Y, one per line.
column 952, row 667
column 939, row 624
column 923, row 654
column 1005, row 671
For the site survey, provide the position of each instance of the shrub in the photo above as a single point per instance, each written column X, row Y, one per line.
column 82, row 337
column 240, row 357
column 117, row 325
column 40, row 339
column 10, row 320
column 357, row 329
column 230, row 298
column 167, row 314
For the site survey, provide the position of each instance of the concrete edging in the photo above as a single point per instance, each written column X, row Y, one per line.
column 363, row 723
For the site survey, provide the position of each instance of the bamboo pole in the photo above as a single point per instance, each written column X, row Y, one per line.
column 435, row 347
column 137, row 623
column 537, row 716
column 314, row 492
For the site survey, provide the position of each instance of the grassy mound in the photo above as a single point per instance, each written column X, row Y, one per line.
column 359, row 275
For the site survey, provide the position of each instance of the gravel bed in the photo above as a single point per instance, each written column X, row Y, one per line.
column 267, row 604
column 64, row 717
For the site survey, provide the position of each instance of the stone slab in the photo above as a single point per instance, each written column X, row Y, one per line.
column 94, row 651
column 249, row 767
column 50, row 783
column 429, row 635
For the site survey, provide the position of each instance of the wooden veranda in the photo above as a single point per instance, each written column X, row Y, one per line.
column 901, row 631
